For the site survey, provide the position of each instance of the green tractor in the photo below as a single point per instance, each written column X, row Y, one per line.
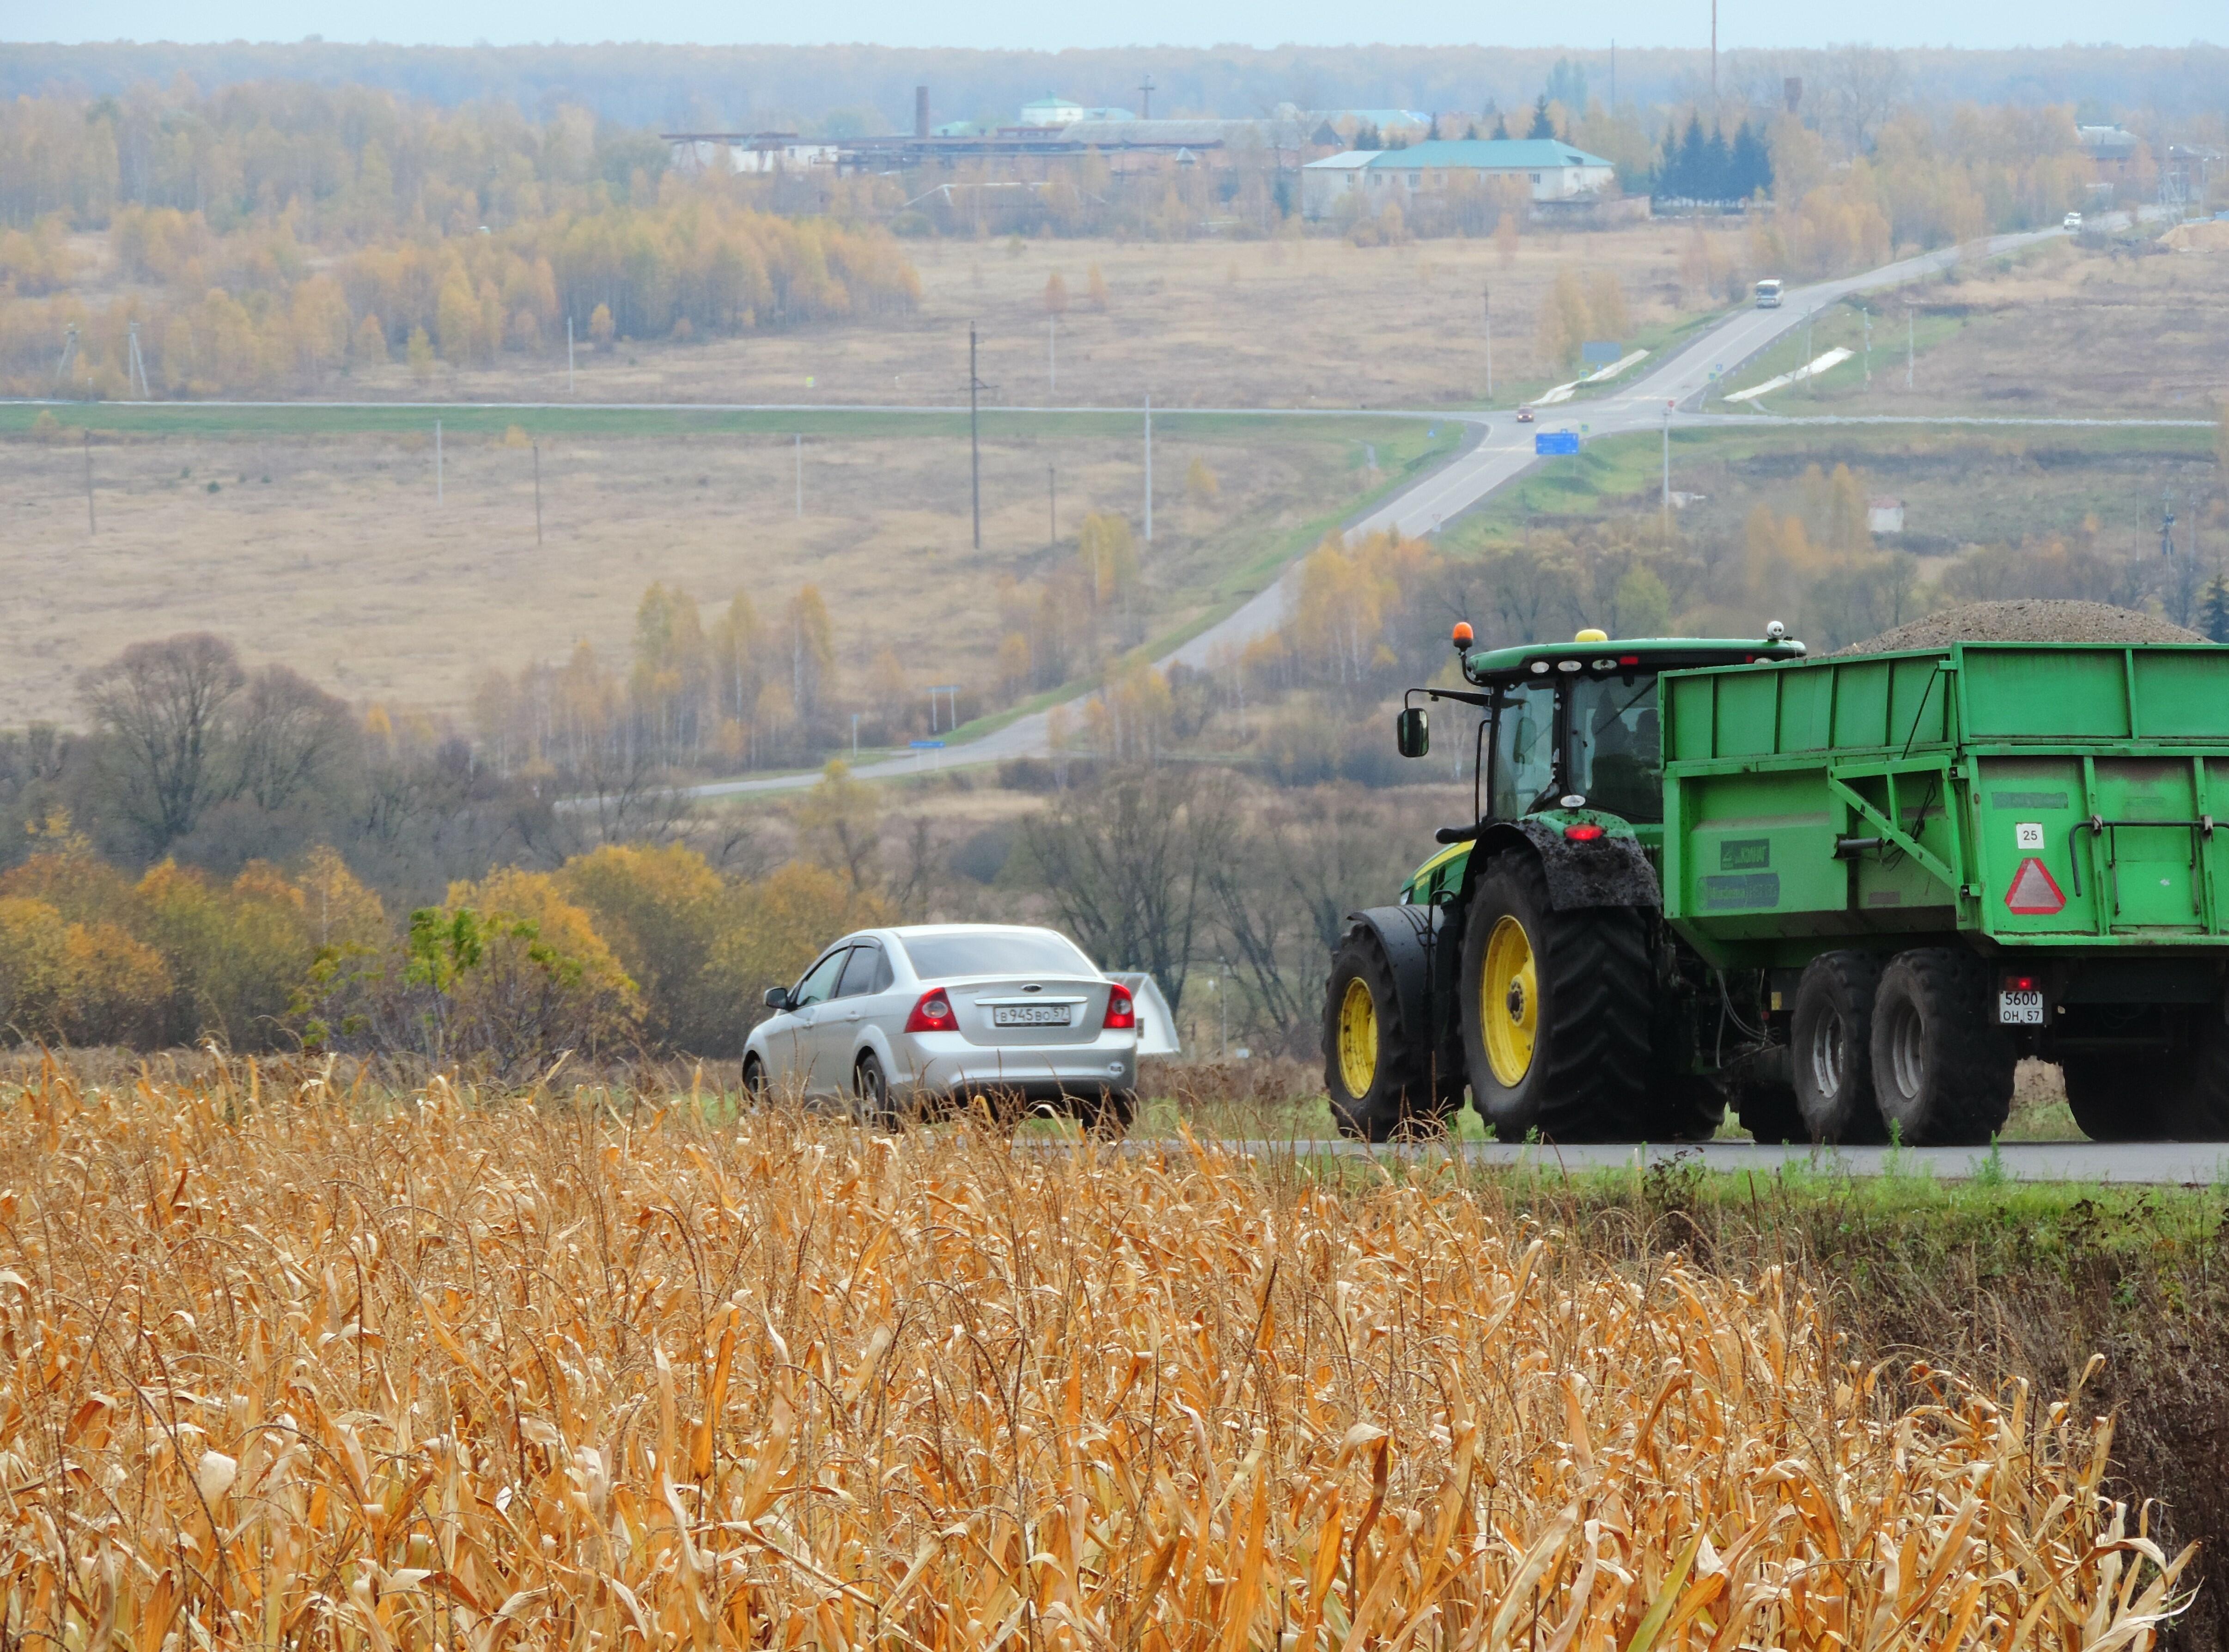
column 1842, row 896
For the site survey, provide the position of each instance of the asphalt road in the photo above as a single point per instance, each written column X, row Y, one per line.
column 1501, row 452
column 2200, row 1164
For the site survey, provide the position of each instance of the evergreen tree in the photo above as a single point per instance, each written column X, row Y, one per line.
column 1567, row 85
column 1718, row 183
column 1500, row 129
column 1365, row 137
column 2213, row 614
column 1542, row 126
column 1752, row 162
column 1694, row 173
column 1667, row 167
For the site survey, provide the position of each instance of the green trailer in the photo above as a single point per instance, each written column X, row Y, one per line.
column 1843, row 896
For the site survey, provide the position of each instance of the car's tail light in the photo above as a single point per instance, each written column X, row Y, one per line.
column 1584, row 832
column 933, row 1013
column 1121, row 1011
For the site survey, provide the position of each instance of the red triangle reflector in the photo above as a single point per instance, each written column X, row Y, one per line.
column 2032, row 893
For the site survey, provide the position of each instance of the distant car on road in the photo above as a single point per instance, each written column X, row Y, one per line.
column 1524, row 415
column 1768, row 294
column 2072, row 220
column 930, row 1017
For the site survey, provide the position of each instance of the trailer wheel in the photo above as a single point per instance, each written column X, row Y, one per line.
column 2201, row 1112
column 1556, row 1012
column 1377, row 1068
column 1830, row 1036
column 1943, row 1068
column 1768, row 1111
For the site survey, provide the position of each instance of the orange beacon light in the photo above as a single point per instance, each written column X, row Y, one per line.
column 1463, row 633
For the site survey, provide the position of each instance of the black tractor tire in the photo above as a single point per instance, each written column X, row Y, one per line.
column 1378, row 1068
column 1768, row 1111
column 2178, row 1095
column 1573, row 1039
column 1830, row 1036
column 1943, row 1068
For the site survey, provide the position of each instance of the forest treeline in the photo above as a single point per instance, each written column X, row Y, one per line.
column 275, row 234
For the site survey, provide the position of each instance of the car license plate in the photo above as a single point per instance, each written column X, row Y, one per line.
column 1028, row 1015
column 2019, row 1009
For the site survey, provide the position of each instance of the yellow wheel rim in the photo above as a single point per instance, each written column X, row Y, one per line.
column 1508, row 1001
column 1357, row 1038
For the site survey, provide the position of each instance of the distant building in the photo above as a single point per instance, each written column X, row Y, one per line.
column 1050, row 111
column 1550, row 171
column 2112, row 150
column 747, row 152
column 1884, row 514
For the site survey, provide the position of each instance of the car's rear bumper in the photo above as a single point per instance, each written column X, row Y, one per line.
column 946, row 1063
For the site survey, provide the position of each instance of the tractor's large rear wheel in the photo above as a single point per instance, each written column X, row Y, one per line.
column 1556, row 1009
column 1378, row 1068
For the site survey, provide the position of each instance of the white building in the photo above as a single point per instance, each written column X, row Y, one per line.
column 747, row 152
column 1550, row 170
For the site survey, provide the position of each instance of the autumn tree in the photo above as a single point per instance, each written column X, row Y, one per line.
column 162, row 705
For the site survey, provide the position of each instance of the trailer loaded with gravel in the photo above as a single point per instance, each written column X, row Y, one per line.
column 1843, row 896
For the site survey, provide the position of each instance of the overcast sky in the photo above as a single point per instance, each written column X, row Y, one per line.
column 1036, row 25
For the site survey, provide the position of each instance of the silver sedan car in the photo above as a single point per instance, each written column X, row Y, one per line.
column 933, row 1017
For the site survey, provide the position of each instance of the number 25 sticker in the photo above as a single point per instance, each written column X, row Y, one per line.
column 2029, row 833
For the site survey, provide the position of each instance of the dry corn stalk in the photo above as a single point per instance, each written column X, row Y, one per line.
column 277, row 1370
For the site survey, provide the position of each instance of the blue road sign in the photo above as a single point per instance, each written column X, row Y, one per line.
column 1601, row 352
column 1556, row 441
column 925, row 745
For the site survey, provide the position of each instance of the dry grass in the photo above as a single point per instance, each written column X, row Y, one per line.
column 1309, row 323
column 341, row 565
column 475, row 1372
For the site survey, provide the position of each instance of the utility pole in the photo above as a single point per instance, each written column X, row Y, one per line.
column 90, row 526
column 855, row 736
column 974, row 442
column 797, row 446
column 1052, row 509
column 136, row 376
column 437, row 462
column 1867, row 315
column 1052, row 356
column 1485, row 295
column 569, row 355
column 1146, row 94
column 1149, row 467
column 537, row 493
column 1907, row 347
column 2167, row 523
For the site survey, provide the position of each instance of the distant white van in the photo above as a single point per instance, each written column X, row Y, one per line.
column 2072, row 221
column 1768, row 295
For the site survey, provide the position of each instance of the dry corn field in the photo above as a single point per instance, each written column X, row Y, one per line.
column 282, row 1369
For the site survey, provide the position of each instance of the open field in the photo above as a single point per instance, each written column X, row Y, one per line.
column 329, row 552
column 1288, row 322
column 2063, row 331
column 446, row 1368
column 2099, row 486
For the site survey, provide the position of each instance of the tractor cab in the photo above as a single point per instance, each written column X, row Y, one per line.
column 1571, row 728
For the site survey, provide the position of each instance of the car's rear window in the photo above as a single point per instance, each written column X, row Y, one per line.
column 1008, row 952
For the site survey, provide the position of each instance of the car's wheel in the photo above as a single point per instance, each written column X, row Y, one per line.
column 1556, row 1008
column 1109, row 1114
column 755, row 1079
column 872, row 1086
column 1830, row 1032
column 1377, row 1068
column 1943, row 1068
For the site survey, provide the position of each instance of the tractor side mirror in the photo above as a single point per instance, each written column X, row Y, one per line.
column 1412, row 734
column 777, row 998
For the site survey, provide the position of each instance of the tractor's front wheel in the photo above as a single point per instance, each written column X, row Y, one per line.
column 1556, row 1012
column 1377, row 1068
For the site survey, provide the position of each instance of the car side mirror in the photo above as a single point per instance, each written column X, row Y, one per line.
column 777, row 998
column 1412, row 734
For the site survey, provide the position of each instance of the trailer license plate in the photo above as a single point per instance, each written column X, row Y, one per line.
column 2019, row 1009
column 1054, row 1015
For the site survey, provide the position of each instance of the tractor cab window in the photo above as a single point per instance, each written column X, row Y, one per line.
column 1617, row 750
column 1524, row 750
